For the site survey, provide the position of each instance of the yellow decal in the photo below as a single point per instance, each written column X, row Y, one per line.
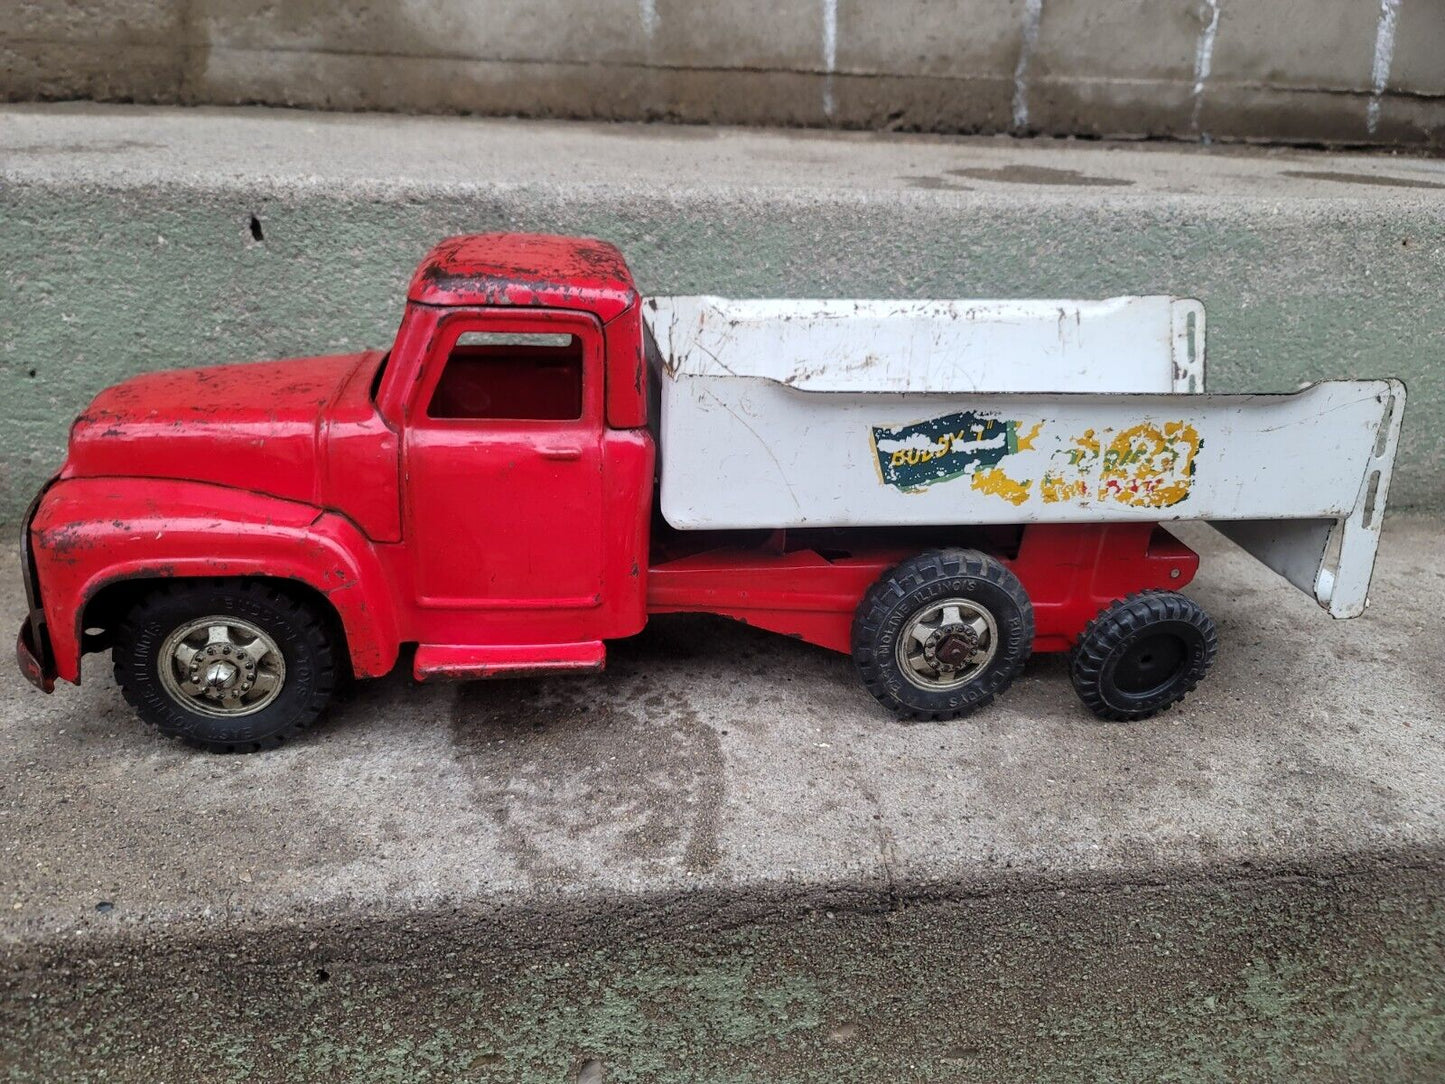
column 1067, row 476
column 1147, row 466
column 1025, row 441
column 996, row 482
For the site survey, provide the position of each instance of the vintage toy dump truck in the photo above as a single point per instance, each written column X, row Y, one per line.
column 937, row 488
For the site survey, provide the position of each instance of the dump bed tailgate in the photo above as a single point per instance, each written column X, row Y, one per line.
column 1119, row 344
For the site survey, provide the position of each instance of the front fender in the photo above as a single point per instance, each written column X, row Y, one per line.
column 89, row 533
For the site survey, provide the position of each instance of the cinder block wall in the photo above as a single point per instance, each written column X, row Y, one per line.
column 1312, row 71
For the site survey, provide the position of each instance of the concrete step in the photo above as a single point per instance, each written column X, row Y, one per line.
column 142, row 238
column 720, row 858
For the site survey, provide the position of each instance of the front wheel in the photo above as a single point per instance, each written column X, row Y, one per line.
column 1142, row 655
column 230, row 666
column 942, row 634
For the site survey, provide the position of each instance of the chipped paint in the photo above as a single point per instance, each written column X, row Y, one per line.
column 1067, row 481
column 1147, row 465
column 1025, row 441
column 994, row 481
column 526, row 270
column 913, row 457
column 1120, row 344
column 1144, row 466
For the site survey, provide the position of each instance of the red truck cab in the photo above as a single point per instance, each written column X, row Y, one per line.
column 241, row 535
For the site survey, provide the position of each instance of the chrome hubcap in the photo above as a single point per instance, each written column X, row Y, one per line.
column 221, row 666
column 947, row 643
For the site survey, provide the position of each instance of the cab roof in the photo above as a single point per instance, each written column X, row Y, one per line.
column 526, row 269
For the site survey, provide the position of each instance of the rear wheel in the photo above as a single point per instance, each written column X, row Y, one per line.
column 942, row 634
column 1142, row 655
column 230, row 666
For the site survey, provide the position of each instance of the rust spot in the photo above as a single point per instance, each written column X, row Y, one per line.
column 527, row 269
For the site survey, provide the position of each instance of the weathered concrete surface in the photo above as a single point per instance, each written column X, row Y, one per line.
column 721, row 861
column 1341, row 71
column 130, row 244
column 1269, row 976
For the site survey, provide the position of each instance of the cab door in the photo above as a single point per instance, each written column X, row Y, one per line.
column 503, row 463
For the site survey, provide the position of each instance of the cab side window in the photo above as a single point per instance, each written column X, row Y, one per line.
column 507, row 376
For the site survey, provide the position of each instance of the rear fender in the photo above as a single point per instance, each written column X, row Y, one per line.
column 91, row 533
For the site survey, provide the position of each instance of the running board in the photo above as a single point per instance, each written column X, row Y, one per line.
column 472, row 661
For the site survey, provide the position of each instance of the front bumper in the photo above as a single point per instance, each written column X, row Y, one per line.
column 32, row 646
column 32, row 652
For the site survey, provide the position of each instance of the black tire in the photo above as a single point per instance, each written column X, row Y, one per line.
column 1142, row 655
column 909, row 591
column 300, row 635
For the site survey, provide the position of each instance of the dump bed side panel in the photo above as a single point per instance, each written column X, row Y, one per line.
column 1121, row 344
column 746, row 452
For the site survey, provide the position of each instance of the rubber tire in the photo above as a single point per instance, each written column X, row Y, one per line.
column 1110, row 634
column 301, row 634
column 902, row 591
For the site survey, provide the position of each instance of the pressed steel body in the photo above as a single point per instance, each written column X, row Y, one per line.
column 496, row 545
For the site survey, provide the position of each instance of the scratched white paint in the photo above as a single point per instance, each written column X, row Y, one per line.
column 647, row 13
column 1033, row 16
column 1204, row 58
column 1384, row 57
column 830, row 52
column 1123, row 344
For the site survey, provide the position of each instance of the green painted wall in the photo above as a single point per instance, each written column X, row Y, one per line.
column 97, row 284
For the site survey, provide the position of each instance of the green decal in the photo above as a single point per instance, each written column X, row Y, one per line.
column 915, row 456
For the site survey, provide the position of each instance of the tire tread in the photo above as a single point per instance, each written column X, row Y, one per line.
column 1115, row 624
column 893, row 588
column 303, row 617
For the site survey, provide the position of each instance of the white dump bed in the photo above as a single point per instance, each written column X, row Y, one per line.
column 872, row 413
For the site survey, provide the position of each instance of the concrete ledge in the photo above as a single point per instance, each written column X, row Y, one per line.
column 720, row 858
column 1273, row 974
column 137, row 239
